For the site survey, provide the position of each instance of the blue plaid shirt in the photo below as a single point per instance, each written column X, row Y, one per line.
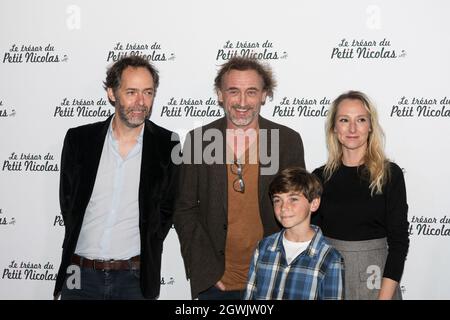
column 316, row 273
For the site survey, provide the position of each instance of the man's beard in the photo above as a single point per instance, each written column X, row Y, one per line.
column 239, row 121
column 133, row 122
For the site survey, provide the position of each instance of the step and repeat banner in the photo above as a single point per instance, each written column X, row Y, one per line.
column 53, row 59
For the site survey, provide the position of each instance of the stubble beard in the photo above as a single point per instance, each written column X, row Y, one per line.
column 241, row 122
column 133, row 122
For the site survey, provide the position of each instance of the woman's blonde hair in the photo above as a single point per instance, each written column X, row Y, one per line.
column 375, row 161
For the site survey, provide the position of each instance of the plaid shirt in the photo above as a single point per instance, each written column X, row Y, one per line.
column 316, row 273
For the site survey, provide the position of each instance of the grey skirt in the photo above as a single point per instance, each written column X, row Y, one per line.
column 364, row 266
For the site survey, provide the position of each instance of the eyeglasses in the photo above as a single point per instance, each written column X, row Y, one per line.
column 238, row 183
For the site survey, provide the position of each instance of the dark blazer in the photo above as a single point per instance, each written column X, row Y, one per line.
column 79, row 163
column 201, row 207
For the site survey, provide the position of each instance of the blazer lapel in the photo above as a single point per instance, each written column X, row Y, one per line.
column 264, row 180
column 94, row 148
column 217, row 172
column 218, row 175
column 220, row 171
column 150, row 168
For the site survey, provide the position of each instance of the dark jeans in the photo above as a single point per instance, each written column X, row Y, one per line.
column 214, row 293
column 105, row 285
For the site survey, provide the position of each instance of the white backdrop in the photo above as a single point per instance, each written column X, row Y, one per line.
column 54, row 56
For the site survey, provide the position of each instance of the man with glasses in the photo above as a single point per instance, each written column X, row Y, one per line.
column 223, row 207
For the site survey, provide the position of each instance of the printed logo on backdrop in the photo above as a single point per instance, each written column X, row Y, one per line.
column 27, row 270
column 183, row 107
column 30, row 162
column 403, row 290
column 421, row 107
column 167, row 281
column 149, row 51
column 58, row 221
column 370, row 49
column 33, row 53
column 6, row 111
column 5, row 219
column 261, row 50
column 305, row 107
column 82, row 108
column 425, row 226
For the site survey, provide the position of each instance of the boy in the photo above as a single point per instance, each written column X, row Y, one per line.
column 295, row 263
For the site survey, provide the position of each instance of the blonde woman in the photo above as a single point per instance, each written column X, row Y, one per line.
column 363, row 212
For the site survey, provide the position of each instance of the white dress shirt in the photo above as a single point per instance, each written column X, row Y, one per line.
column 110, row 228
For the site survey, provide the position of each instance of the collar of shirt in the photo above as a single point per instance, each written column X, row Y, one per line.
column 115, row 145
column 311, row 250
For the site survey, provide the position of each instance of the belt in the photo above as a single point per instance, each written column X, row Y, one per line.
column 107, row 265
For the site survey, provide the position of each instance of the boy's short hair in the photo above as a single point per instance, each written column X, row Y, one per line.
column 296, row 179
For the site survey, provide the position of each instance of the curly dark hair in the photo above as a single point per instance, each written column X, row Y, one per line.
column 242, row 64
column 114, row 73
